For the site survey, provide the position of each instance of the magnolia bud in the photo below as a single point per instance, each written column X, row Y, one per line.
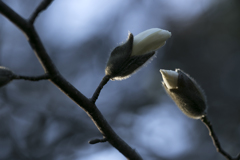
column 5, row 75
column 185, row 92
column 125, row 59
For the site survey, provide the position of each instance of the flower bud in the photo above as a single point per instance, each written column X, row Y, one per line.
column 185, row 92
column 126, row 58
column 5, row 75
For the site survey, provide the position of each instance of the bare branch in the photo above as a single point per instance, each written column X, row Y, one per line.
column 56, row 78
column 98, row 90
column 42, row 6
column 36, row 78
column 214, row 138
column 96, row 117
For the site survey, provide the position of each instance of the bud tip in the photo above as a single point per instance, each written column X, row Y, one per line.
column 170, row 78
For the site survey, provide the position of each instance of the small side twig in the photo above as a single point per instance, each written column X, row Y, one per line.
column 32, row 78
column 94, row 141
column 99, row 88
column 214, row 138
column 42, row 6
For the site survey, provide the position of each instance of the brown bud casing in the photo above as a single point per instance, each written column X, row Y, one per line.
column 121, row 64
column 188, row 96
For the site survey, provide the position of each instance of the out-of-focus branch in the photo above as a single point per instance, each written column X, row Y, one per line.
column 215, row 139
column 42, row 6
column 55, row 77
column 31, row 78
column 99, row 88
column 94, row 141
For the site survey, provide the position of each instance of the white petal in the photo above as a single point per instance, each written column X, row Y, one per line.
column 149, row 40
column 170, row 78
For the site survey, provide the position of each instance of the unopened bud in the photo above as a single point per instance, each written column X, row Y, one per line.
column 5, row 75
column 127, row 58
column 185, row 92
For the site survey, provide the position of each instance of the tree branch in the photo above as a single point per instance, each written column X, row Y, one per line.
column 96, row 116
column 99, row 88
column 56, row 78
column 42, row 6
column 214, row 138
column 36, row 78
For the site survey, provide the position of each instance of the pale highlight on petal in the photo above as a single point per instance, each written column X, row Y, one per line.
column 170, row 78
column 149, row 40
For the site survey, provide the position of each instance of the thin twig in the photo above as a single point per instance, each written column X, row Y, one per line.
column 67, row 88
column 99, row 88
column 35, row 78
column 214, row 138
column 94, row 141
column 42, row 6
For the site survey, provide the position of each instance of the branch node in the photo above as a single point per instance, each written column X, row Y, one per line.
column 42, row 6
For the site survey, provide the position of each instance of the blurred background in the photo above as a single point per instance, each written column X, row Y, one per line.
column 37, row 121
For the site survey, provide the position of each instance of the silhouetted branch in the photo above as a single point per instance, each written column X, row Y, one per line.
column 94, row 141
column 42, row 6
column 215, row 139
column 98, row 90
column 57, row 79
column 35, row 78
